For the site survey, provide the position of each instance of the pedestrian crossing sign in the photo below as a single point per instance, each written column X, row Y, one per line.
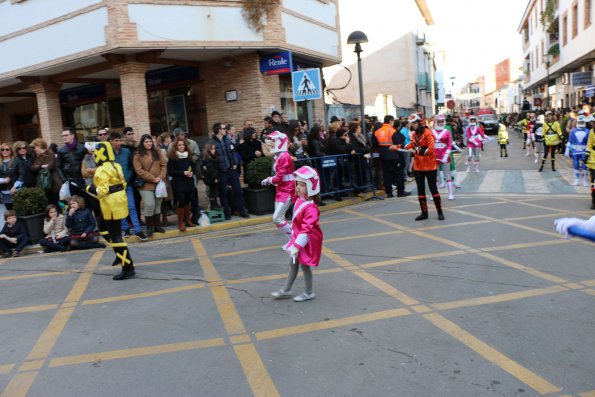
column 306, row 84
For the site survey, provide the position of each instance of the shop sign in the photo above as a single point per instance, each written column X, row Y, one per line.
column 161, row 77
column 81, row 93
column 590, row 93
column 537, row 101
column 581, row 79
column 277, row 63
column 306, row 85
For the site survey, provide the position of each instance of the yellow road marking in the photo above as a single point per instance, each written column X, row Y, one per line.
column 248, row 251
column 142, row 294
column 259, row 379
column 587, row 394
column 339, row 322
column 510, row 296
column 523, row 374
column 35, row 275
column 523, row 268
column 28, row 309
column 6, row 368
column 276, row 277
column 20, row 384
column 135, row 352
column 525, row 245
column 451, row 225
column 260, row 382
column 151, row 263
column 412, row 259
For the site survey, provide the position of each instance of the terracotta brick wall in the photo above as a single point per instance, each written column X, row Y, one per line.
column 7, row 134
column 256, row 92
column 49, row 112
column 134, row 96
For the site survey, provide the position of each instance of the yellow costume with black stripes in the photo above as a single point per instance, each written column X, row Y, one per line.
column 109, row 187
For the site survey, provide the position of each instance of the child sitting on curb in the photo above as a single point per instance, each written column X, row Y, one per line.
column 56, row 232
column 13, row 237
column 81, row 223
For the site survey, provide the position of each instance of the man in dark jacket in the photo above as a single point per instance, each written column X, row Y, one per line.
column 388, row 141
column 69, row 161
column 228, row 172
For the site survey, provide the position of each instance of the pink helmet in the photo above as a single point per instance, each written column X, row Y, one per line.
column 310, row 177
column 279, row 141
column 439, row 117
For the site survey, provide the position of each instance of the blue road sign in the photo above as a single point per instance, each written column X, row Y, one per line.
column 306, row 84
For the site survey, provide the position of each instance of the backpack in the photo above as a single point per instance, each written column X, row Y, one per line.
column 45, row 180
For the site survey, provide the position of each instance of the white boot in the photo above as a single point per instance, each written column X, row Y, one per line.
column 451, row 189
column 441, row 183
column 468, row 167
column 454, row 179
column 576, row 178
column 477, row 166
column 586, row 178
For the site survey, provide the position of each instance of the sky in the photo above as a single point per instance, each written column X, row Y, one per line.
column 469, row 35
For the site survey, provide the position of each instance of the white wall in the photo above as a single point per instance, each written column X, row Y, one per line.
column 62, row 36
column 308, row 35
column 314, row 9
column 185, row 23
column 18, row 16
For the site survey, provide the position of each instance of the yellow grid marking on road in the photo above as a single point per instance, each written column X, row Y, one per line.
column 509, row 296
column 20, row 384
column 589, row 291
column 281, row 276
column 6, row 368
column 573, row 286
column 523, row 268
column 543, row 207
column 525, row 245
column 28, row 309
column 31, row 365
column 523, row 374
column 421, row 309
column 412, row 259
column 450, row 225
column 248, row 251
column 587, row 394
column 152, row 263
column 35, row 275
column 142, row 295
column 236, row 339
column 256, row 373
column 588, row 283
column 135, row 352
column 335, row 323
column 258, row 377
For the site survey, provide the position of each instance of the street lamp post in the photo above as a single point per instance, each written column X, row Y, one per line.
column 548, row 60
column 358, row 38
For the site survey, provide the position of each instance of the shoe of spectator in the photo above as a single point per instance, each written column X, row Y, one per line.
column 404, row 194
column 127, row 233
column 16, row 254
column 244, row 215
column 227, row 217
column 140, row 235
column 321, row 204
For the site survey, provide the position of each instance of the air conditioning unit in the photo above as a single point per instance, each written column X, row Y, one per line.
column 565, row 79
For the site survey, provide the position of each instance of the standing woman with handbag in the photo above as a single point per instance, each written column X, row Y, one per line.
column 10, row 172
column 150, row 166
column 181, row 168
column 44, row 163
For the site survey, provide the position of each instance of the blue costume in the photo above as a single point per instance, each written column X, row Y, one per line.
column 575, row 227
column 576, row 148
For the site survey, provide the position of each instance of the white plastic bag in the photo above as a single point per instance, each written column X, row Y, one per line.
column 161, row 190
column 203, row 219
column 65, row 191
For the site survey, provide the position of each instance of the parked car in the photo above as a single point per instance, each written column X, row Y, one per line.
column 490, row 123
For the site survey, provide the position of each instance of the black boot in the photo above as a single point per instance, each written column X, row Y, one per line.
column 542, row 164
column 150, row 225
column 438, row 204
column 424, row 208
column 593, row 198
column 157, row 224
column 553, row 162
column 127, row 272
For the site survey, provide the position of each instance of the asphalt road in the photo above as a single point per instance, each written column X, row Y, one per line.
column 489, row 302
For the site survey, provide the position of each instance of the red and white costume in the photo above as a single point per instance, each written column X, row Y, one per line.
column 283, row 179
column 475, row 136
column 442, row 148
column 306, row 235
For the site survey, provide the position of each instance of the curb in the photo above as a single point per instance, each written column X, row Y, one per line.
column 232, row 224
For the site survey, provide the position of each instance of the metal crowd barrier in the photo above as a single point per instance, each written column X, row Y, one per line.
column 341, row 173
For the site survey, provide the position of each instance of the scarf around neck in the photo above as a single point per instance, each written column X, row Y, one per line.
column 182, row 155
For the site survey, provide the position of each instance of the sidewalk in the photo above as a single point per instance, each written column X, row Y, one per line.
column 235, row 222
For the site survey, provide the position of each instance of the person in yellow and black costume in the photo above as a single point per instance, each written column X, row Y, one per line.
column 590, row 156
column 109, row 187
column 552, row 135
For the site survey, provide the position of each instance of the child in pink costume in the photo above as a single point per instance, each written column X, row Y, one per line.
column 442, row 148
column 474, row 136
column 283, row 179
column 305, row 244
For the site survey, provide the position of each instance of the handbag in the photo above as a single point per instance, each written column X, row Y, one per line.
column 45, row 180
column 140, row 182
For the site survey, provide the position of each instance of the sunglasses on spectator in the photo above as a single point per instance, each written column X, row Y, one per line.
column 104, row 134
column 4, row 149
column 23, row 147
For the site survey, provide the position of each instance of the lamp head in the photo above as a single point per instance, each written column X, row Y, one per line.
column 358, row 38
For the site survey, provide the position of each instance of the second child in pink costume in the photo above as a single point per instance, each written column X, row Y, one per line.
column 305, row 244
column 474, row 136
column 442, row 148
column 283, row 179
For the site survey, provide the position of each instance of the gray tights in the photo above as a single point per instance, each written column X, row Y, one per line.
column 293, row 271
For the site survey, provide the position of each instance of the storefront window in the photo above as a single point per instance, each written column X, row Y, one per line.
column 295, row 110
column 87, row 119
column 174, row 108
